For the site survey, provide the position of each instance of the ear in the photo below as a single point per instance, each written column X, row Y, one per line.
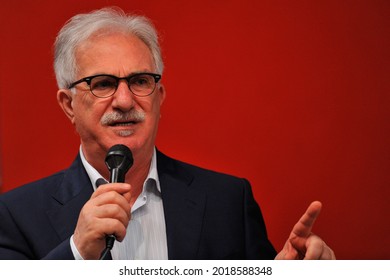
column 65, row 100
column 162, row 94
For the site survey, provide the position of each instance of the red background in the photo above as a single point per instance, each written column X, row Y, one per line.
column 293, row 95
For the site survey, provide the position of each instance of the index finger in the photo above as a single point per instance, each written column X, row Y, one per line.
column 303, row 227
column 120, row 188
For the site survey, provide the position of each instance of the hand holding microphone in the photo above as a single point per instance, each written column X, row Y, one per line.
column 106, row 215
column 119, row 159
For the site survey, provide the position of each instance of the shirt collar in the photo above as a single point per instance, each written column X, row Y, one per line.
column 94, row 175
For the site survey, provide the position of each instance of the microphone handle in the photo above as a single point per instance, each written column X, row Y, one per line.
column 117, row 176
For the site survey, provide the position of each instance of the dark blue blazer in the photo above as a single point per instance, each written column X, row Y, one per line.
column 208, row 215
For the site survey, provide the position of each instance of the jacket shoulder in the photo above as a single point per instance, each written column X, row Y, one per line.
column 170, row 164
column 41, row 186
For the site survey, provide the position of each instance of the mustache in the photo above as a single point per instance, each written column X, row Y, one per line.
column 117, row 116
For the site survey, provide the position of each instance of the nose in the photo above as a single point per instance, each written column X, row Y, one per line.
column 123, row 99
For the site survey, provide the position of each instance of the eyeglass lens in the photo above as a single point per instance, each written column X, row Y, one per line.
column 140, row 85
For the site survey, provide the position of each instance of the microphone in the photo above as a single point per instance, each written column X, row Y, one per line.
column 118, row 160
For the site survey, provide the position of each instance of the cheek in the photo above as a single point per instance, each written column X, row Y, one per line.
column 87, row 114
column 151, row 109
column 154, row 111
column 148, row 105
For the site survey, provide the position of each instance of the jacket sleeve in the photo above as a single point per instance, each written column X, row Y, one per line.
column 257, row 243
column 61, row 252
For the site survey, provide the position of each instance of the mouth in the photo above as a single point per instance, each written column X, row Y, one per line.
column 124, row 128
column 123, row 123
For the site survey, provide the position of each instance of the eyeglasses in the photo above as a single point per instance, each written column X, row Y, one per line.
column 104, row 85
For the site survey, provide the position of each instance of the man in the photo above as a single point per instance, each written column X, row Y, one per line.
column 108, row 68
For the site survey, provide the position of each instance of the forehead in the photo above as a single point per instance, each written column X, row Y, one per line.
column 113, row 53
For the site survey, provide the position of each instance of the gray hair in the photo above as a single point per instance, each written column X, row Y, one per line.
column 81, row 27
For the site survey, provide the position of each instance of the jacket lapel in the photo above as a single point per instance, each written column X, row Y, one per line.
column 183, row 208
column 68, row 199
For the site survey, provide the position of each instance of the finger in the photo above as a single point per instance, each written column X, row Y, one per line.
column 113, row 211
column 318, row 250
column 120, row 188
column 305, row 224
column 113, row 198
column 314, row 248
column 328, row 253
column 114, row 227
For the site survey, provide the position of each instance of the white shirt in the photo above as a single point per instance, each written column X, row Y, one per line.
column 146, row 234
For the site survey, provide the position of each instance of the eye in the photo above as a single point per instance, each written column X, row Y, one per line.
column 101, row 83
column 142, row 81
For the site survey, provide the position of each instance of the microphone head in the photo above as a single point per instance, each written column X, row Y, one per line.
column 119, row 157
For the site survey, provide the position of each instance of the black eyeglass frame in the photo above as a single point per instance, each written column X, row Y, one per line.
column 157, row 78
